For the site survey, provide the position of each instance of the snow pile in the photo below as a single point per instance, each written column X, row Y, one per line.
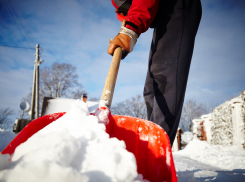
column 5, row 137
column 220, row 156
column 186, row 137
column 73, row 148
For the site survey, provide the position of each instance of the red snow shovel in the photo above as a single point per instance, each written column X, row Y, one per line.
column 147, row 141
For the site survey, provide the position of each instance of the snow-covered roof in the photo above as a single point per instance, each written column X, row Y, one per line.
column 55, row 105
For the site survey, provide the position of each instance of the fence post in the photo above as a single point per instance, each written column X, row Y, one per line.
column 207, row 126
column 177, row 141
column 179, row 132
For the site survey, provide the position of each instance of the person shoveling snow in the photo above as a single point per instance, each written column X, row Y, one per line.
column 73, row 148
column 175, row 26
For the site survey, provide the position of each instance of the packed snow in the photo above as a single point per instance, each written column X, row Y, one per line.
column 76, row 148
column 217, row 155
column 73, row 148
column 200, row 161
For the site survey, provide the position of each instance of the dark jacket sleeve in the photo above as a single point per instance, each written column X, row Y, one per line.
column 141, row 14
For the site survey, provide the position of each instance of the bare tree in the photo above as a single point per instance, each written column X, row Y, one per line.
column 5, row 120
column 191, row 110
column 58, row 79
column 132, row 107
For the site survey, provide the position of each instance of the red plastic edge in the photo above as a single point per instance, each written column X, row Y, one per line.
column 115, row 128
column 30, row 130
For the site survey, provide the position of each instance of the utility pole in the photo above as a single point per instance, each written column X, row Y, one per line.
column 37, row 82
column 33, row 93
column 35, row 86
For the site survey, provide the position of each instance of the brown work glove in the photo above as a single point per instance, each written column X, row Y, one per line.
column 126, row 39
column 119, row 12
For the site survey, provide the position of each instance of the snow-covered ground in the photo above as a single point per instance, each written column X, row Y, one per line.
column 200, row 161
column 54, row 154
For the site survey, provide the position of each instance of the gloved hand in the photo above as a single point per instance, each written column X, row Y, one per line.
column 119, row 12
column 126, row 39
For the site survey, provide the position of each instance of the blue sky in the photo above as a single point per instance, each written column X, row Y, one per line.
column 78, row 32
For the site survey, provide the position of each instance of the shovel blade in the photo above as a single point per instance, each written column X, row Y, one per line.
column 146, row 140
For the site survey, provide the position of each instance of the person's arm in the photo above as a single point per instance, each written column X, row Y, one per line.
column 139, row 18
column 141, row 14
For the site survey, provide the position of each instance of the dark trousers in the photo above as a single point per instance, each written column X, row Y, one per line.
column 171, row 51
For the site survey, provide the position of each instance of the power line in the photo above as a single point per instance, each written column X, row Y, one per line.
column 22, row 18
column 12, row 14
column 9, row 27
column 16, row 47
column 12, row 33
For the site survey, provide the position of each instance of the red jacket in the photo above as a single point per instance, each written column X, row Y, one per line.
column 140, row 14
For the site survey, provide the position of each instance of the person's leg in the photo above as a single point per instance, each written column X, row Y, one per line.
column 169, row 62
column 148, row 94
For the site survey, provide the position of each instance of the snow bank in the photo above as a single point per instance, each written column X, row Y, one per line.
column 186, row 137
column 5, row 137
column 73, row 148
column 220, row 156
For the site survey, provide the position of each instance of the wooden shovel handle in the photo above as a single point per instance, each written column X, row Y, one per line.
column 111, row 78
